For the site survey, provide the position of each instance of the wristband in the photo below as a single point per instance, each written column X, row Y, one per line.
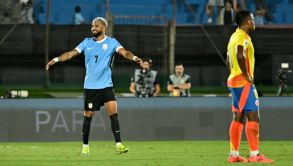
column 134, row 58
column 56, row 59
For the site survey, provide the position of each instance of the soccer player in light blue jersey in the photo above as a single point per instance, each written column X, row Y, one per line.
column 99, row 53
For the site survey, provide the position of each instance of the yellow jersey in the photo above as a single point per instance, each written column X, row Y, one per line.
column 236, row 79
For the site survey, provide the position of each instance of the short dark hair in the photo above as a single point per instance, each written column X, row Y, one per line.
column 229, row 1
column 178, row 64
column 77, row 9
column 241, row 17
column 146, row 59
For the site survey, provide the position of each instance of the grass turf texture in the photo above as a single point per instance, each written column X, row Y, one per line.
column 142, row 153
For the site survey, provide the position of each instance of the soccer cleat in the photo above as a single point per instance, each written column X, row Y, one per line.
column 233, row 159
column 85, row 150
column 121, row 148
column 260, row 158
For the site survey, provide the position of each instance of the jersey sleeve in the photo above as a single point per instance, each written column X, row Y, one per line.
column 117, row 45
column 80, row 48
column 242, row 41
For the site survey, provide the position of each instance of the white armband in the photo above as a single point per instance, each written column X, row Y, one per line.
column 56, row 59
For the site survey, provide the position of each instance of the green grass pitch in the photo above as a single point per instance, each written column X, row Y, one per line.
column 142, row 153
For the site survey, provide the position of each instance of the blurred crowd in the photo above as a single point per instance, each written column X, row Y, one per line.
column 16, row 11
column 223, row 11
column 217, row 11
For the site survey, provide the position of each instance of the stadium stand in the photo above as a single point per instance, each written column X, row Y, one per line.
column 188, row 11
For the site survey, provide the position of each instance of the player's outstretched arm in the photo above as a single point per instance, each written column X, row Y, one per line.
column 129, row 55
column 63, row 57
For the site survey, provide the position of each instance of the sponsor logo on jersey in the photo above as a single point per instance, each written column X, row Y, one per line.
column 246, row 43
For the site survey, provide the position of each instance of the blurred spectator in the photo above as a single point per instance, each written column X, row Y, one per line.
column 243, row 5
column 39, row 11
column 27, row 10
column 179, row 83
column 210, row 9
column 227, row 14
column 145, row 82
column 6, row 18
column 239, row 5
column 78, row 18
column 262, row 13
column 4, row 11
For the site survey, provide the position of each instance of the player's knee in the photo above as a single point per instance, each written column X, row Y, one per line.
column 114, row 116
column 88, row 113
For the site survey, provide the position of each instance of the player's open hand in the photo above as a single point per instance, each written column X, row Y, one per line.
column 250, row 79
column 51, row 63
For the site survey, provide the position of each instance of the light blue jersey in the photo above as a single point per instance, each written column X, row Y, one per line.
column 99, row 56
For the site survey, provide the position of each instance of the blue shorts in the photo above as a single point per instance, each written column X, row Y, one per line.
column 244, row 99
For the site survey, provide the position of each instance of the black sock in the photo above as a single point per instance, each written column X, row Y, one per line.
column 86, row 129
column 115, row 127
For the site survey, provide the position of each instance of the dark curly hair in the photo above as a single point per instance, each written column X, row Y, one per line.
column 241, row 17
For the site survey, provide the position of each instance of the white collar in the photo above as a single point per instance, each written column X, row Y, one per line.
column 101, row 41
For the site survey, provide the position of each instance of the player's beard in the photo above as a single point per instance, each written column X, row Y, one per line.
column 96, row 35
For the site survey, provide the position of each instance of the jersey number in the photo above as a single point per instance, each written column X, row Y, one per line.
column 96, row 58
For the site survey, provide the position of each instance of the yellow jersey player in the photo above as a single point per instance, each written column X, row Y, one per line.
column 245, row 103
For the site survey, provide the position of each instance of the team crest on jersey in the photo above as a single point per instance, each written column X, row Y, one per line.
column 90, row 105
column 105, row 46
column 246, row 43
column 256, row 102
